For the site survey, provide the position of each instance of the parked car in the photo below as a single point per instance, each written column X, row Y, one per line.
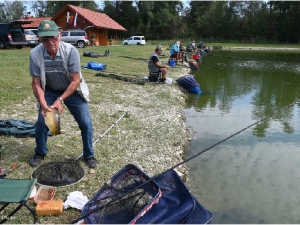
column 135, row 40
column 12, row 34
column 31, row 38
column 75, row 37
column 35, row 31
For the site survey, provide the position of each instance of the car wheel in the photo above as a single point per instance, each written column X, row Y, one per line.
column 32, row 46
column 80, row 44
column 138, row 43
column 19, row 47
column 2, row 45
column 125, row 43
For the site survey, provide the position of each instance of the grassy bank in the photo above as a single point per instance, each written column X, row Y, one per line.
column 152, row 137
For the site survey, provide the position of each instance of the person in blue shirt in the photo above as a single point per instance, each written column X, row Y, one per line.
column 174, row 51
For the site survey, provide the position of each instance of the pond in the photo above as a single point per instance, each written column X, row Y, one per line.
column 253, row 176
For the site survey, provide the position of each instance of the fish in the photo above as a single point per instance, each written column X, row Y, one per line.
column 52, row 121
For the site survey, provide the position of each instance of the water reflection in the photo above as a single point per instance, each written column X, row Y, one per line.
column 245, row 176
column 270, row 84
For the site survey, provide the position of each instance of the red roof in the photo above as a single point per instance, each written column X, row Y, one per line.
column 35, row 21
column 99, row 20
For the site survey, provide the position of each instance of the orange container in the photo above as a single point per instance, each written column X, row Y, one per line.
column 45, row 208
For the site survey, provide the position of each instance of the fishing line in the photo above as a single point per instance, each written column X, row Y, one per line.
column 235, row 57
column 184, row 161
column 223, row 140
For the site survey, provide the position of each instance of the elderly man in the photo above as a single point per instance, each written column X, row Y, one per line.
column 155, row 65
column 56, row 80
column 175, row 50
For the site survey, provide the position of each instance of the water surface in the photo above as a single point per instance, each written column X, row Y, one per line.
column 254, row 176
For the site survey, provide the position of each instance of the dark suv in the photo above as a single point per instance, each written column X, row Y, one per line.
column 12, row 34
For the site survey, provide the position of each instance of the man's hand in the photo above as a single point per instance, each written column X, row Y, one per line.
column 57, row 104
column 44, row 109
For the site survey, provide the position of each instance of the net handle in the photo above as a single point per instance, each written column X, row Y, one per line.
column 101, row 136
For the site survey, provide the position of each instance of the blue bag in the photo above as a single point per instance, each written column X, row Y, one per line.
column 189, row 83
column 95, row 66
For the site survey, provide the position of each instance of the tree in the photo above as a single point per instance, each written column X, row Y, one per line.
column 145, row 16
column 39, row 8
column 255, row 21
column 2, row 12
column 128, row 17
column 50, row 8
column 12, row 10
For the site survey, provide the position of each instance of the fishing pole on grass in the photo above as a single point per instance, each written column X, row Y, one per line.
column 101, row 136
column 120, row 196
column 123, row 78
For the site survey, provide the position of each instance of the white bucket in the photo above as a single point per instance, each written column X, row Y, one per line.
column 169, row 80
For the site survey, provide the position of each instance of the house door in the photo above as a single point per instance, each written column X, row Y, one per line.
column 103, row 37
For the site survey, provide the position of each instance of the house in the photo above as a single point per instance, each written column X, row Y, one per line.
column 95, row 24
column 34, row 21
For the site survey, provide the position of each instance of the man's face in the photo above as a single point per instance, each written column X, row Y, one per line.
column 51, row 43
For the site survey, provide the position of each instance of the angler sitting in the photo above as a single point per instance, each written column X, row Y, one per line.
column 156, row 67
column 174, row 51
column 193, row 46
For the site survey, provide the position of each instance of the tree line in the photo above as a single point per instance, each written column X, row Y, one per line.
column 216, row 21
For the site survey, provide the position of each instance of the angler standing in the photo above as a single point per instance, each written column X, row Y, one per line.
column 57, row 80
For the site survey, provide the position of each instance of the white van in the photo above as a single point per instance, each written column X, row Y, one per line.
column 135, row 40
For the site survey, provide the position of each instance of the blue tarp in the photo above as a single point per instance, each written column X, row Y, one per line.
column 189, row 83
column 17, row 128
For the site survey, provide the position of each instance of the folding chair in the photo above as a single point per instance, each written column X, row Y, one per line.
column 16, row 191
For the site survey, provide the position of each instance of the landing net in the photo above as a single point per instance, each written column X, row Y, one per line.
column 58, row 173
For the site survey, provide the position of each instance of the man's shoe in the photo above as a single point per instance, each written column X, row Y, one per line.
column 91, row 162
column 162, row 80
column 36, row 159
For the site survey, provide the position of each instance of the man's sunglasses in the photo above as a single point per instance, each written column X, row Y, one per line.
column 48, row 38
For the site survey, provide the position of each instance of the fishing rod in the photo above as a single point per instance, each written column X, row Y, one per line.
column 135, row 80
column 135, row 58
column 119, row 196
column 236, row 57
column 101, row 136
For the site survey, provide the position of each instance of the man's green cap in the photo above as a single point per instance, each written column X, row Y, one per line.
column 47, row 28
